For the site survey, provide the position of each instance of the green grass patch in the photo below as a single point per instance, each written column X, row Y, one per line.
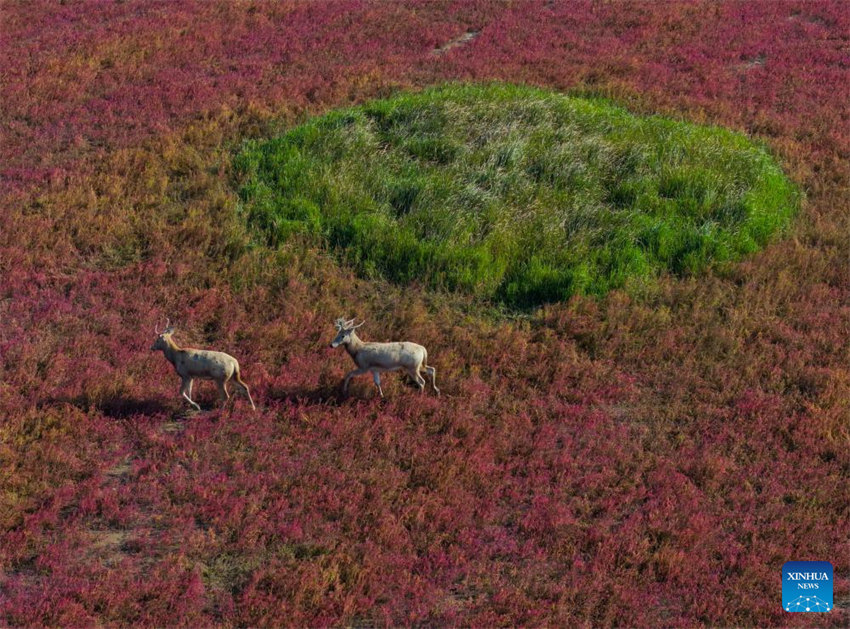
column 513, row 193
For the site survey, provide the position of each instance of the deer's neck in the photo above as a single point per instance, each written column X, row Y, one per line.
column 354, row 345
column 171, row 350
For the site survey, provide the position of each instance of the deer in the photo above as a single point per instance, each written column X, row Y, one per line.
column 201, row 364
column 380, row 357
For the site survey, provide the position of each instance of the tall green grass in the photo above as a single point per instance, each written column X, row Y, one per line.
column 514, row 193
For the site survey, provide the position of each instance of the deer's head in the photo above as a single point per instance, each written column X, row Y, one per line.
column 161, row 342
column 344, row 330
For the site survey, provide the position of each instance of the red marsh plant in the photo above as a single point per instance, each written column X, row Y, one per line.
column 639, row 459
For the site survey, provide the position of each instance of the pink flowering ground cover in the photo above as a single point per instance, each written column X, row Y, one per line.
column 637, row 460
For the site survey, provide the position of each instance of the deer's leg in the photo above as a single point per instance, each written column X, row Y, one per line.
column 250, row 399
column 417, row 377
column 186, row 392
column 244, row 387
column 349, row 376
column 376, row 376
column 222, row 392
column 433, row 373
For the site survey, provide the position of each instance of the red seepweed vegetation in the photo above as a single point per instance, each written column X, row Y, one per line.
column 644, row 461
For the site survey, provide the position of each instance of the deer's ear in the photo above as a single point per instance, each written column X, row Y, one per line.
column 168, row 330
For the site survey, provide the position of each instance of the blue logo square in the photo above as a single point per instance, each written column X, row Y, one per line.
column 807, row 586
